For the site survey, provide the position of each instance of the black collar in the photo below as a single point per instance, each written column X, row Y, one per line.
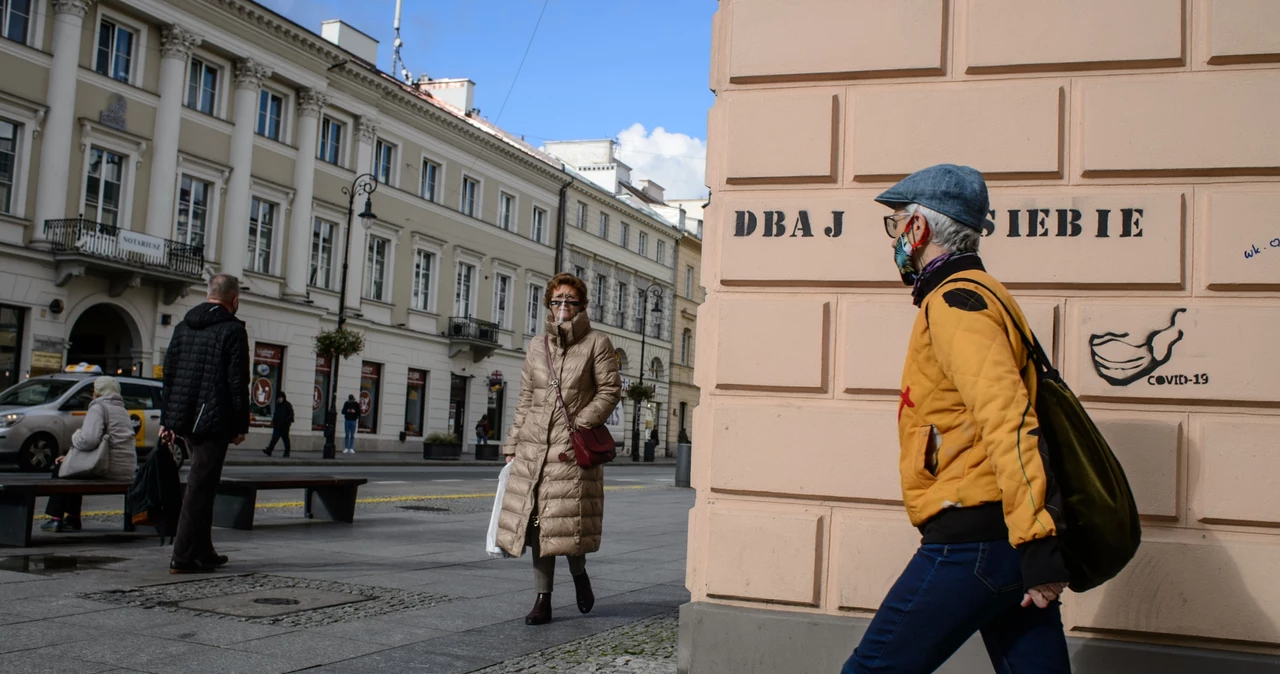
column 956, row 264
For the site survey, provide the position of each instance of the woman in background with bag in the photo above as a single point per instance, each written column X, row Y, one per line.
column 568, row 387
column 103, row 449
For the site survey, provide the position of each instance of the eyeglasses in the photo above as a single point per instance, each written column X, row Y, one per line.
column 891, row 223
column 566, row 303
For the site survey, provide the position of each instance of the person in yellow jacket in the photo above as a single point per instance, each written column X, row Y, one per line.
column 975, row 478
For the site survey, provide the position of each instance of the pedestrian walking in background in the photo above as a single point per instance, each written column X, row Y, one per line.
column 106, row 421
column 482, row 430
column 350, row 417
column 206, row 400
column 551, row 504
column 975, row 474
column 281, row 420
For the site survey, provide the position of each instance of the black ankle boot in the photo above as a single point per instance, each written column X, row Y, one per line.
column 541, row 613
column 586, row 598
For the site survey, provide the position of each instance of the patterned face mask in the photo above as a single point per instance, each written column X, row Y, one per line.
column 904, row 251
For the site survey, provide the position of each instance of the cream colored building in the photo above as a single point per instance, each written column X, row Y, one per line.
column 689, row 296
column 148, row 144
column 626, row 253
column 1132, row 157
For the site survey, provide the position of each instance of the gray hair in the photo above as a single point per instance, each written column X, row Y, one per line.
column 948, row 234
column 224, row 287
column 105, row 386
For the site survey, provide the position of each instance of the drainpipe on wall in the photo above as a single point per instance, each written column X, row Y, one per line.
column 560, row 226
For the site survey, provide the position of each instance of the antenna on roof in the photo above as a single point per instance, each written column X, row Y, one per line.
column 397, row 64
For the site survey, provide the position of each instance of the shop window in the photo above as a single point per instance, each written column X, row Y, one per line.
column 10, row 345
column 415, row 403
column 370, row 396
column 268, row 361
column 320, row 392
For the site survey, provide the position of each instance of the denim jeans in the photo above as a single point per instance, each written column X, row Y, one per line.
column 350, row 428
column 947, row 593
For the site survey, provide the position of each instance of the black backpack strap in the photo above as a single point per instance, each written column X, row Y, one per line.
column 1034, row 350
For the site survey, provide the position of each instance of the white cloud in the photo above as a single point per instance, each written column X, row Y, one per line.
column 673, row 160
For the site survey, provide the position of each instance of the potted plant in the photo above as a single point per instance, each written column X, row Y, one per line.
column 640, row 392
column 490, row 451
column 339, row 343
column 442, row 446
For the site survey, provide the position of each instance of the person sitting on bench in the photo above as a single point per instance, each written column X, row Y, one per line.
column 106, row 420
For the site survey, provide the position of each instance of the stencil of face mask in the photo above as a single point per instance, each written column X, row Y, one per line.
column 1121, row 362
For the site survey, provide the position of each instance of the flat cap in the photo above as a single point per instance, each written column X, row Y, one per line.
column 958, row 192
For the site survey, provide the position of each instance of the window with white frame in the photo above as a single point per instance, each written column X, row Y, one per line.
column 502, row 300
column 641, row 296
column 462, row 290
column 430, row 187
column 117, row 46
column 688, row 283
column 686, row 344
column 270, row 114
column 384, row 162
column 506, row 211
column 202, row 86
column 624, row 234
column 375, row 268
column 331, row 132
column 104, row 186
column 535, row 309
column 622, row 295
column 582, row 215
column 262, row 227
column 600, row 295
column 15, row 19
column 604, row 226
column 193, row 210
column 580, row 272
column 660, row 248
column 470, row 192
column 322, row 236
column 423, row 264
column 9, row 136
column 539, row 231
column 642, row 243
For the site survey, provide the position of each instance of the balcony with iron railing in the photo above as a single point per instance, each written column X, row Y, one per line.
column 123, row 256
column 466, row 333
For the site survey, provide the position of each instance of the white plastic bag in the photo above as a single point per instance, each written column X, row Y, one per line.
column 491, row 542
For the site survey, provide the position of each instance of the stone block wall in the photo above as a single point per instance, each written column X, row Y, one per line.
column 1133, row 154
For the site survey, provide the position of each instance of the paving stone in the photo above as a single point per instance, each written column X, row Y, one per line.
column 40, row 633
column 386, row 631
column 113, row 651
column 221, row 661
column 39, row 662
column 305, row 649
column 644, row 647
column 215, row 632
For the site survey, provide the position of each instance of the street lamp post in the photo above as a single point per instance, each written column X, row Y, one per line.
column 656, row 291
column 364, row 185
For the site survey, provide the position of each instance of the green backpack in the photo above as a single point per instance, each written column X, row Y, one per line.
column 1102, row 532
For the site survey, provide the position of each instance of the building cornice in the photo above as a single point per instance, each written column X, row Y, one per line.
column 296, row 36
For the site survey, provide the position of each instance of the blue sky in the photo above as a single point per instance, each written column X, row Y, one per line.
column 596, row 68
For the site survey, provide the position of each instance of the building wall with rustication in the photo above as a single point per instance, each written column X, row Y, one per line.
column 1132, row 150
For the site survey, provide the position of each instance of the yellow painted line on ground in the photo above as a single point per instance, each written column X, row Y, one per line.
column 375, row 499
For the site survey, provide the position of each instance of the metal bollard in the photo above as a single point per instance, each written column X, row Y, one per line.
column 684, row 460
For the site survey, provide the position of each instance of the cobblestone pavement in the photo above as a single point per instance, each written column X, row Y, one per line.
column 644, row 647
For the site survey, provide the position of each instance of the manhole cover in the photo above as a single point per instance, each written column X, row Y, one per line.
column 277, row 601
column 425, row 509
column 51, row 564
column 273, row 602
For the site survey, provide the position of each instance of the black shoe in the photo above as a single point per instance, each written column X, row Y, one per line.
column 70, row 523
column 541, row 613
column 191, row 567
column 53, row 525
column 285, row 455
column 267, row 452
column 586, row 598
column 217, row 560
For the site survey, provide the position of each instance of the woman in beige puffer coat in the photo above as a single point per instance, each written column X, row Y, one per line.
column 551, row 504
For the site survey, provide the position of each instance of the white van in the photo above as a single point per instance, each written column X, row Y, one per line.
column 617, row 426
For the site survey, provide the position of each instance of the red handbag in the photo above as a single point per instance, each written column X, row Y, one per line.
column 591, row 446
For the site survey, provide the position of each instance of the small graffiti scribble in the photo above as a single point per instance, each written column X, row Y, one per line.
column 1120, row 362
column 1254, row 251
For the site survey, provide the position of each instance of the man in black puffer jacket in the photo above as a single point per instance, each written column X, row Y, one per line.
column 206, row 400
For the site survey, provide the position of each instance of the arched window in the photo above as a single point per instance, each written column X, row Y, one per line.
column 655, row 370
column 622, row 361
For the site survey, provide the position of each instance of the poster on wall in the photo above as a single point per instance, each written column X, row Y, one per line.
column 370, row 396
column 264, row 382
column 320, row 393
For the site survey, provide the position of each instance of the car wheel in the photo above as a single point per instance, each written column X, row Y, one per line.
column 37, row 453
